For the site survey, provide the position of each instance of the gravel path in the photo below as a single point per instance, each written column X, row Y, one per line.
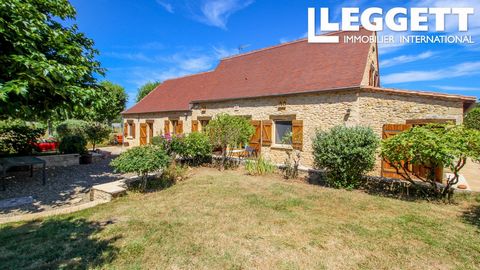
column 66, row 186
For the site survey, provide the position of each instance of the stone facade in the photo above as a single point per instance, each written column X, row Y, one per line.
column 319, row 111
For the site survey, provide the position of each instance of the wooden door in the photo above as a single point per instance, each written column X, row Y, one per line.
column 143, row 133
column 390, row 130
column 255, row 141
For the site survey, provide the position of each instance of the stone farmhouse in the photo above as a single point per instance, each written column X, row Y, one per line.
column 294, row 87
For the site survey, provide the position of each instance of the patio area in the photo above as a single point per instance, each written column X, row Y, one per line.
column 65, row 187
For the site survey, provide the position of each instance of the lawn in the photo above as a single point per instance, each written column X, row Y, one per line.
column 227, row 220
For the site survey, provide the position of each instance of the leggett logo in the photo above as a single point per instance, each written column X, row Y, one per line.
column 395, row 19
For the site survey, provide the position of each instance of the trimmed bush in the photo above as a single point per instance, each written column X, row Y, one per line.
column 260, row 166
column 73, row 144
column 16, row 137
column 71, row 127
column 472, row 119
column 346, row 153
column 195, row 148
column 96, row 133
column 141, row 160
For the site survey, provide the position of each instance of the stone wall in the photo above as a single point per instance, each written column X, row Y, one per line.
column 60, row 160
column 158, row 123
column 379, row 108
column 319, row 111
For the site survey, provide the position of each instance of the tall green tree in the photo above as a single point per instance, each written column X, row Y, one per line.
column 111, row 104
column 146, row 89
column 46, row 64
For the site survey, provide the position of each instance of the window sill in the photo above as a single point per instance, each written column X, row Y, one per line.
column 281, row 146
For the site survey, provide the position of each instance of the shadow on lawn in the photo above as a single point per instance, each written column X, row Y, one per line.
column 472, row 215
column 383, row 187
column 55, row 243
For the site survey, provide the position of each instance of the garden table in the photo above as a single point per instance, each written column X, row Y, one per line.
column 10, row 162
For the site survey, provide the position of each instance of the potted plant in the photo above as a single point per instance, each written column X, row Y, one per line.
column 86, row 157
column 75, row 144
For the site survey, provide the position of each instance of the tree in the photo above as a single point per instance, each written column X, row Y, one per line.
column 472, row 119
column 347, row 153
column 141, row 160
column 111, row 105
column 146, row 89
column 46, row 65
column 430, row 147
column 227, row 130
column 96, row 133
column 17, row 137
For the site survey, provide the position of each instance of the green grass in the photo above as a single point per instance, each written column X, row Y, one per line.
column 227, row 220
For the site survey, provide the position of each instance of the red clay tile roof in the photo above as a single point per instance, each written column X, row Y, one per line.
column 288, row 68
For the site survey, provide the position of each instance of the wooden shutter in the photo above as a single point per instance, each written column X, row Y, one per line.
column 194, row 125
column 150, row 132
column 266, row 132
column 179, row 129
column 133, row 130
column 297, row 134
column 390, row 130
column 125, row 130
column 166, row 127
column 255, row 141
column 143, row 133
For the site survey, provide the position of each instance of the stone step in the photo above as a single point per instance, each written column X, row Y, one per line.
column 108, row 191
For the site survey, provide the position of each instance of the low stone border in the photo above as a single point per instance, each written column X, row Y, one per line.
column 61, row 211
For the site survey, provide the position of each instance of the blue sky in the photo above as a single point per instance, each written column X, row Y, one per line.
column 147, row 40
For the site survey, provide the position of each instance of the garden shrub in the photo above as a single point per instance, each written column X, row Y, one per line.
column 430, row 147
column 73, row 144
column 71, row 127
column 171, row 144
column 291, row 164
column 195, row 148
column 17, row 137
column 472, row 119
column 227, row 130
column 173, row 174
column 141, row 160
column 260, row 166
column 346, row 153
column 96, row 133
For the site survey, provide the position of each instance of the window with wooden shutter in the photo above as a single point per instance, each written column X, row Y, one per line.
column 179, row 127
column 125, row 130
column 297, row 134
column 132, row 130
column 266, row 132
column 166, row 127
column 194, row 125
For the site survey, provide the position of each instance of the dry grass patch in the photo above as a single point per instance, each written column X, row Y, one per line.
column 227, row 220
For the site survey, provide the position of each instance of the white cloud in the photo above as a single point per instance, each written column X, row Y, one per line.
column 457, row 88
column 221, row 52
column 402, row 59
column 167, row 6
column 130, row 56
column 464, row 69
column 217, row 12
column 196, row 64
